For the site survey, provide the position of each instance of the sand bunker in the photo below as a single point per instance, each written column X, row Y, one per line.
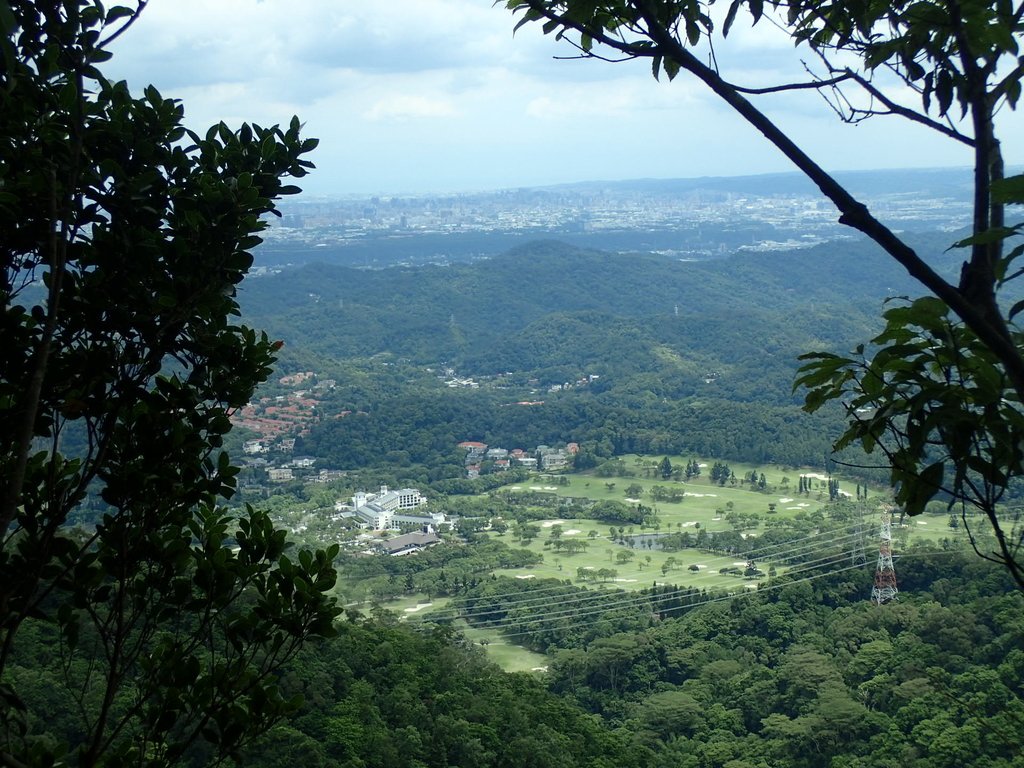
column 632, row 501
column 922, row 522
column 549, row 523
column 550, row 488
column 572, row 532
column 526, row 576
column 689, row 524
column 419, row 607
column 785, row 500
column 701, row 495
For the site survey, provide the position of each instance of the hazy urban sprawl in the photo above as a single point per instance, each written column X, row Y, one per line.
column 688, row 218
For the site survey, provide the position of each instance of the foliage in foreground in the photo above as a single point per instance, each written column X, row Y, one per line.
column 162, row 619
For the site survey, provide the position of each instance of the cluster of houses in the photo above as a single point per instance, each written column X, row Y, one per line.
column 482, row 459
column 583, row 381
column 285, row 471
column 277, row 419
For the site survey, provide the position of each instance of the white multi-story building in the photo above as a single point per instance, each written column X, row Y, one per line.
column 387, row 509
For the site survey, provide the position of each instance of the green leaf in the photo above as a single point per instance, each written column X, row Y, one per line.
column 119, row 12
column 671, row 67
column 1015, row 310
column 692, row 35
column 1009, row 190
column 730, row 17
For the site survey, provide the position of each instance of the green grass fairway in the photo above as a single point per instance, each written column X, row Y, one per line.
column 511, row 658
column 637, row 573
column 708, row 503
column 704, row 501
column 705, row 504
column 405, row 606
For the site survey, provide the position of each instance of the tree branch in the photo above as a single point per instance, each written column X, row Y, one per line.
column 906, row 112
column 810, row 86
column 853, row 213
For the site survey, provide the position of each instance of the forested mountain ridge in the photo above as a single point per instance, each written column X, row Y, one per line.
column 549, row 305
column 687, row 356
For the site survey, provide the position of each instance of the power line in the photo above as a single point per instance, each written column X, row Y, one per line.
column 688, row 606
column 768, row 552
column 530, row 597
column 654, row 600
column 624, row 601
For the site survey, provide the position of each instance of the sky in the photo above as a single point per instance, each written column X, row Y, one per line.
column 432, row 96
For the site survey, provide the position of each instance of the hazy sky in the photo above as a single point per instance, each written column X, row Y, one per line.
column 437, row 95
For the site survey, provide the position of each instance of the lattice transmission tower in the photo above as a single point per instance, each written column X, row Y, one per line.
column 884, row 590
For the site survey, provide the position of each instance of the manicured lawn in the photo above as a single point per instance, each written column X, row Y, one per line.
column 705, row 505
column 704, row 501
column 511, row 658
column 415, row 605
column 636, row 573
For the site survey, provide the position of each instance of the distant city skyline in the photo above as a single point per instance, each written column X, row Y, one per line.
column 434, row 96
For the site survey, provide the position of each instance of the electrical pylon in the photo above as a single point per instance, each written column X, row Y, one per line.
column 884, row 590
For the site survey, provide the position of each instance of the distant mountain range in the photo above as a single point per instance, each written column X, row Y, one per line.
column 956, row 183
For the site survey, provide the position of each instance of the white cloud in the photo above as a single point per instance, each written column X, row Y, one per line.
column 422, row 94
column 407, row 107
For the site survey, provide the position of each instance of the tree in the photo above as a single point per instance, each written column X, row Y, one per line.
column 634, row 491
column 665, row 468
column 526, row 532
column 941, row 390
column 122, row 239
column 720, row 473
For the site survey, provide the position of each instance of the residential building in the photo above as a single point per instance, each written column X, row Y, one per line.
column 280, row 474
